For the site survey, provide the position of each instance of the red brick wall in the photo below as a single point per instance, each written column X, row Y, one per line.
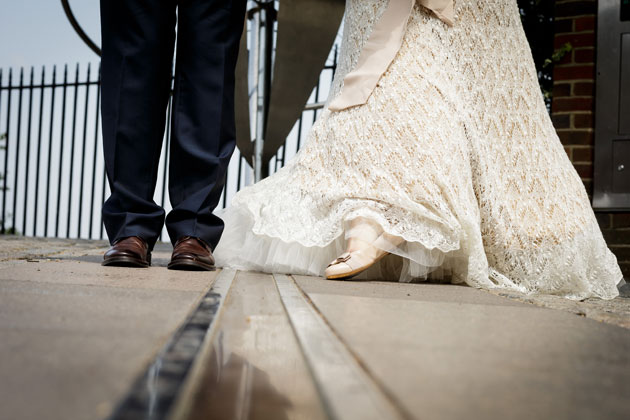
column 573, row 109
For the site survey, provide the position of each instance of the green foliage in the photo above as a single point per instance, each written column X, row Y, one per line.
column 558, row 54
column 537, row 17
column 555, row 57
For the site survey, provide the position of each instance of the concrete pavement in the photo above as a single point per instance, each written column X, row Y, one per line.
column 76, row 336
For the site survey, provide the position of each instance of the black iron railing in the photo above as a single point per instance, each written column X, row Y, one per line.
column 52, row 175
column 50, row 151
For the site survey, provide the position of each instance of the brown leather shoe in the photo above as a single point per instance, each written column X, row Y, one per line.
column 132, row 251
column 191, row 254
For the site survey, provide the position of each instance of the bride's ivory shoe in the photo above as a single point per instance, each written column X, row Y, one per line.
column 349, row 264
column 367, row 244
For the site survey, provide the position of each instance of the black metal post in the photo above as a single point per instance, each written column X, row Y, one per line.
column 72, row 148
column 61, row 137
column 96, row 148
column 50, row 145
column 28, row 149
column 6, row 156
column 85, row 120
column 17, row 149
column 39, row 149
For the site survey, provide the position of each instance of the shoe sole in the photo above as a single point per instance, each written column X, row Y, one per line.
column 125, row 262
column 349, row 275
column 190, row 265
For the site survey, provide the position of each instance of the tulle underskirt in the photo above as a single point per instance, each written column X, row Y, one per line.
column 243, row 247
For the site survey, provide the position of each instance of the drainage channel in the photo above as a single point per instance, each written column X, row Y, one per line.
column 154, row 394
column 345, row 388
column 182, row 380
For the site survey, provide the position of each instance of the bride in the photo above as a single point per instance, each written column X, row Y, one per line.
column 434, row 159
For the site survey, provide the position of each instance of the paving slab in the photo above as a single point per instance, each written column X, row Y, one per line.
column 449, row 360
column 48, row 375
column 405, row 291
column 615, row 311
column 70, row 271
column 75, row 334
column 15, row 248
column 89, row 309
column 20, row 249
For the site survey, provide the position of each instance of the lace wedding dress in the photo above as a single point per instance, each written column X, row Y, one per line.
column 454, row 152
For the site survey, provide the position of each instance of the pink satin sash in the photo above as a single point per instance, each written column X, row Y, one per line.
column 381, row 48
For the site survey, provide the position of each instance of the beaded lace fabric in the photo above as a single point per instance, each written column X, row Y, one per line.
column 454, row 152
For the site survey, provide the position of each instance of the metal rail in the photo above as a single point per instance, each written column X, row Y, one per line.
column 78, row 29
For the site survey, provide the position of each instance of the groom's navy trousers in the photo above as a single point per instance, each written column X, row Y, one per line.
column 138, row 39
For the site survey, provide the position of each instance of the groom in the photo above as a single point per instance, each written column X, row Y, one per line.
column 138, row 38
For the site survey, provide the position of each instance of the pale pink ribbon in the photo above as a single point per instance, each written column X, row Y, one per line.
column 381, row 48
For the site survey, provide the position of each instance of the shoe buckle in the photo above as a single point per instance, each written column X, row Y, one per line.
column 342, row 258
